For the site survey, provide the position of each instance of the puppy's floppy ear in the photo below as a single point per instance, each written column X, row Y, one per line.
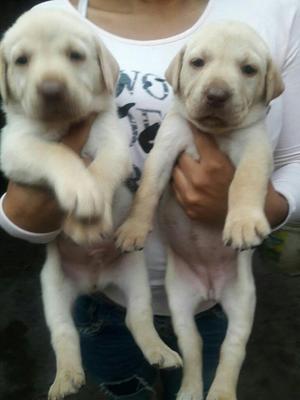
column 109, row 67
column 3, row 76
column 274, row 85
column 172, row 73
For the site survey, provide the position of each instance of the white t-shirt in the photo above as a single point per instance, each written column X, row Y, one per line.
column 143, row 98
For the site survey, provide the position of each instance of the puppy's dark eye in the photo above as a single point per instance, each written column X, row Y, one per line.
column 76, row 55
column 249, row 70
column 22, row 60
column 197, row 62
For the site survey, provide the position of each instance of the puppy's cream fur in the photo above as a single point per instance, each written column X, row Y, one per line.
column 223, row 81
column 54, row 72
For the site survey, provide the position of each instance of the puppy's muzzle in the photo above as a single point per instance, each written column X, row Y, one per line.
column 52, row 90
column 217, row 97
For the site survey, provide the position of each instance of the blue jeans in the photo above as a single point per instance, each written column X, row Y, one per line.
column 114, row 362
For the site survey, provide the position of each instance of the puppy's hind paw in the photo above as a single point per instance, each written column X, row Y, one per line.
column 163, row 357
column 221, row 395
column 66, row 382
column 190, row 394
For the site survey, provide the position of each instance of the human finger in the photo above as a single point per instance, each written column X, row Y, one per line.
column 186, row 161
column 180, row 182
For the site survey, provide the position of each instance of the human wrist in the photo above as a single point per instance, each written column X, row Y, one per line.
column 32, row 209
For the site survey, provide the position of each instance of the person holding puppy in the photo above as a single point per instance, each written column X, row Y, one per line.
column 144, row 37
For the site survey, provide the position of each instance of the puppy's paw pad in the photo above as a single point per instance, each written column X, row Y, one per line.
column 66, row 382
column 132, row 235
column 245, row 229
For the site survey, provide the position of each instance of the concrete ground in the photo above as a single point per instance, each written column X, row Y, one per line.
column 271, row 370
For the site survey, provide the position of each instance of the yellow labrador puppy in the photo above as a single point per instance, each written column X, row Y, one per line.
column 54, row 72
column 223, row 80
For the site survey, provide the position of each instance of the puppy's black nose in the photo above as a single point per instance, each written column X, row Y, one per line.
column 51, row 89
column 217, row 97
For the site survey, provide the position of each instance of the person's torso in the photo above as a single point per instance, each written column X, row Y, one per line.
column 143, row 96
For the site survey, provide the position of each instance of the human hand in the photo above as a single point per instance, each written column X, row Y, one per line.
column 35, row 208
column 201, row 187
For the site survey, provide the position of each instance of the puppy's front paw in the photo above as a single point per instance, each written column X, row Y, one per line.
column 81, row 232
column 132, row 235
column 245, row 228
column 80, row 195
column 89, row 232
column 67, row 381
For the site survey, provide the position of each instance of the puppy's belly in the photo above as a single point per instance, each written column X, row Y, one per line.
column 203, row 260
column 88, row 269
column 92, row 268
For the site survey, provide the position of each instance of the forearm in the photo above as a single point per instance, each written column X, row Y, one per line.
column 276, row 207
column 35, row 209
column 32, row 209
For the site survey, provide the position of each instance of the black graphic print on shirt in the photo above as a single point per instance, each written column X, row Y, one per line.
column 142, row 100
column 147, row 136
column 133, row 181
